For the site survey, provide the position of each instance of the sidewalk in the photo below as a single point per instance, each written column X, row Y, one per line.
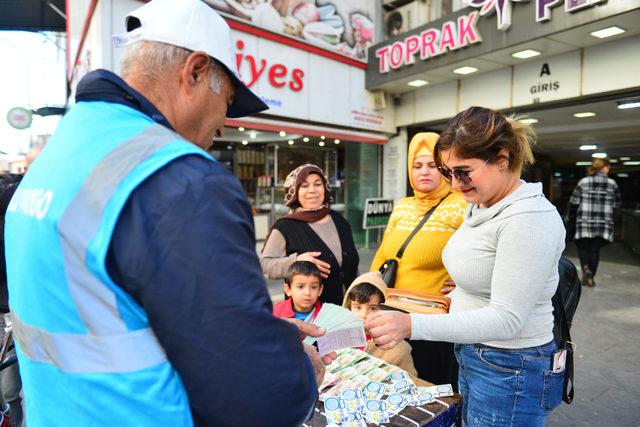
column 606, row 331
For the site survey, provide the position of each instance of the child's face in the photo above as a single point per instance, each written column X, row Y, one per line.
column 362, row 310
column 304, row 292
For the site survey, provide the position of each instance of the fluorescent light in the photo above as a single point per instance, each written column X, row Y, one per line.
column 628, row 105
column 583, row 163
column 336, row 141
column 529, row 121
column 584, row 115
column 587, row 147
column 557, row 174
column 245, row 142
column 241, row 129
column 607, row 32
column 524, row 54
column 305, row 139
column 418, row 83
column 623, row 175
column 599, row 155
column 625, row 158
column 321, row 143
column 282, row 133
column 613, row 160
column 632, row 163
column 290, row 142
column 465, row 70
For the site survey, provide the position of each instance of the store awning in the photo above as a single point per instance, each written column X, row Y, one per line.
column 274, row 125
column 32, row 15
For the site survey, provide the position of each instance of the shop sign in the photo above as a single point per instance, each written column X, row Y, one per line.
column 19, row 118
column 547, row 80
column 453, row 35
column 542, row 9
column 278, row 75
column 376, row 213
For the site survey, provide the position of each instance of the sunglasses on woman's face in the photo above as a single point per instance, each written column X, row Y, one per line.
column 462, row 175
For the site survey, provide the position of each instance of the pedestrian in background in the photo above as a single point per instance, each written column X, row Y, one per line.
column 595, row 198
column 504, row 262
column 421, row 268
column 312, row 231
column 136, row 292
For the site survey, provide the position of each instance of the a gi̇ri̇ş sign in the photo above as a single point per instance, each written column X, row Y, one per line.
column 376, row 213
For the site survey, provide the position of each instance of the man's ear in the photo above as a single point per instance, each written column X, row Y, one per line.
column 195, row 71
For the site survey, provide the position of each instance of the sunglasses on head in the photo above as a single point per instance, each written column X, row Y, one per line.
column 462, row 175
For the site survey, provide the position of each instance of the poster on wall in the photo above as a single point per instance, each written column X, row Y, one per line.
column 344, row 27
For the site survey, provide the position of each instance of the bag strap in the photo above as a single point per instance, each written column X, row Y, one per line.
column 415, row 230
column 567, row 391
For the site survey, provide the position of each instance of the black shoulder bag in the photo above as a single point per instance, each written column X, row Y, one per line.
column 389, row 268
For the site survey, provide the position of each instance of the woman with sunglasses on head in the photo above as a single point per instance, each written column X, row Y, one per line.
column 504, row 261
column 420, row 267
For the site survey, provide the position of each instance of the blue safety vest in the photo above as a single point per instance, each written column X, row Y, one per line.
column 87, row 353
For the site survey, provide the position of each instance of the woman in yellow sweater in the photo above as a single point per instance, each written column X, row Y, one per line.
column 421, row 267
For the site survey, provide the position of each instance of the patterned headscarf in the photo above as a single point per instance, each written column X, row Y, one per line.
column 422, row 144
column 291, row 185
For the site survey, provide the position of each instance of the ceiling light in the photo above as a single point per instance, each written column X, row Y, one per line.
column 627, row 105
column 607, row 32
column 625, row 158
column 290, row 142
column 583, row 163
column 465, row 70
column 322, row 137
column 305, row 139
column 321, row 143
column 524, row 54
column 418, row 83
column 529, row 121
column 336, row 141
column 631, row 163
column 241, row 129
column 623, row 175
column 245, row 142
column 588, row 147
column 613, row 160
column 557, row 174
column 584, row 115
column 283, row 133
column 252, row 135
column 599, row 155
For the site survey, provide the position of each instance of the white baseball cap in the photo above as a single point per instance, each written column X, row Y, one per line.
column 193, row 25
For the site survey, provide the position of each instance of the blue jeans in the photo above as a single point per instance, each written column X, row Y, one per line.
column 508, row 387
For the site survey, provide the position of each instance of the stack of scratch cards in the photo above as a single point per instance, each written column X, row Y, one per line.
column 363, row 389
column 343, row 328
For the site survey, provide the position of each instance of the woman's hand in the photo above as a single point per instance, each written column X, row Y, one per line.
column 448, row 286
column 388, row 328
column 325, row 269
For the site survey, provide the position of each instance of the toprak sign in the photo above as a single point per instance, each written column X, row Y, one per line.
column 452, row 35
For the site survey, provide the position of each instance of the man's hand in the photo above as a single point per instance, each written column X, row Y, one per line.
column 316, row 361
column 388, row 328
column 310, row 329
column 325, row 269
column 448, row 286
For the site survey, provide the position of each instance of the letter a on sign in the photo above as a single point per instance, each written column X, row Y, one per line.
column 545, row 70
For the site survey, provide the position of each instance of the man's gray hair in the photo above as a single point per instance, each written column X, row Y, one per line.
column 152, row 59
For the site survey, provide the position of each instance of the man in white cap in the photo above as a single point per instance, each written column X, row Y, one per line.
column 133, row 279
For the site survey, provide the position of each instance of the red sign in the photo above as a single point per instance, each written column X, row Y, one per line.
column 278, row 75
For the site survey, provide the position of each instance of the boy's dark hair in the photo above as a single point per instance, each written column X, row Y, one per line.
column 302, row 268
column 362, row 293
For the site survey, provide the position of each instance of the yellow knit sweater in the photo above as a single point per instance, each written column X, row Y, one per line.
column 421, row 267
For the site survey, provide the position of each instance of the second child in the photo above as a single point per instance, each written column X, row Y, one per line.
column 364, row 296
column 302, row 287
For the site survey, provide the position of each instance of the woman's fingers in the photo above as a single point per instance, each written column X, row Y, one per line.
column 325, row 268
column 388, row 328
column 448, row 286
